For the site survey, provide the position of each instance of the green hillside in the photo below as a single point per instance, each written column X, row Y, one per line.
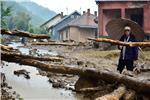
column 37, row 13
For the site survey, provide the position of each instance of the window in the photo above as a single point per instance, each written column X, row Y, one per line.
column 72, row 16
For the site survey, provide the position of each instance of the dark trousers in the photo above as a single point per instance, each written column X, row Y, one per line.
column 123, row 63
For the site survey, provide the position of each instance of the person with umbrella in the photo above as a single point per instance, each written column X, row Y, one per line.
column 128, row 54
column 125, row 30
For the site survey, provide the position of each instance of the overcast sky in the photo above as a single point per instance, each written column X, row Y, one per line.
column 68, row 6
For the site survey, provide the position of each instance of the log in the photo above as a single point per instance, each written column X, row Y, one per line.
column 115, row 95
column 23, row 34
column 139, row 70
column 11, row 55
column 117, row 42
column 91, row 89
column 6, row 48
column 142, row 86
column 129, row 95
column 53, row 43
column 84, row 83
column 145, row 69
column 22, row 72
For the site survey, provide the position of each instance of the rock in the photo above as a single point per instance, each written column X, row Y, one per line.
column 27, row 76
column 50, row 80
column 90, row 64
column 43, row 73
column 68, row 75
column 9, row 87
column 129, row 95
column 4, row 84
column 14, row 92
column 3, row 78
column 22, row 72
column 145, row 98
column 80, row 63
column 85, row 83
column 13, row 98
column 56, row 85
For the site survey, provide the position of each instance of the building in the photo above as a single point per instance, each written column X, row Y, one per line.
column 49, row 24
column 136, row 10
column 60, row 24
column 80, row 28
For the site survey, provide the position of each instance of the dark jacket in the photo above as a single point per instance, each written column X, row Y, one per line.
column 131, row 53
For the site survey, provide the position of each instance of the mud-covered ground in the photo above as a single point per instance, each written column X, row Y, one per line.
column 87, row 57
column 7, row 93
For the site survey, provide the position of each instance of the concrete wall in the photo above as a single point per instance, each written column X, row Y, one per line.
column 108, row 15
column 147, row 18
column 74, row 33
column 78, row 34
column 86, row 33
column 65, row 34
column 104, row 16
column 56, row 28
column 54, row 21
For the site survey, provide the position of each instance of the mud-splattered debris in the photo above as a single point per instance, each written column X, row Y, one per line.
column 22, row 72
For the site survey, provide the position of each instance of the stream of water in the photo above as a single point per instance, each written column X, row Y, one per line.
column 37, row 87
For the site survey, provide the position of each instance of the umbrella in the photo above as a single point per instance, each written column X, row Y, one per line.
column 115, row 29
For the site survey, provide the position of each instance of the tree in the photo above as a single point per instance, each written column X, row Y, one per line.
column 31, row 29
column 22, row 21
column 43, row 31
column 5, row 12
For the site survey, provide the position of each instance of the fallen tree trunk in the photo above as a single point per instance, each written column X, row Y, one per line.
column 145, row 70
column 115, row 95
column 129, row 95
column 53, row 43
column 23, row 34
column 130, row 82
column 11, row 55
column 6, row 48
column 117, row 42
column 91, row 89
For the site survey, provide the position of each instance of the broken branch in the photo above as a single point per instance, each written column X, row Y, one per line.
column 117, row 42
column 10, row 55
column 54, row 43
column 23, row 34
column 6, row 48
column 91, row 89
column 115, row 95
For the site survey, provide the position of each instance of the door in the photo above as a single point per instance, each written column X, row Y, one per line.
column 137, row 18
